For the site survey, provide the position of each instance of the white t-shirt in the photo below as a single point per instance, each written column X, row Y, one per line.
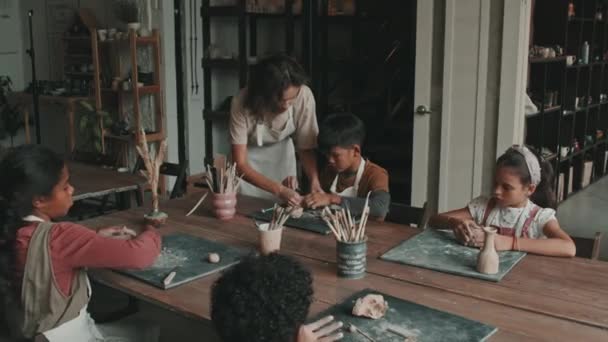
column 243, row 123
column 513, row 218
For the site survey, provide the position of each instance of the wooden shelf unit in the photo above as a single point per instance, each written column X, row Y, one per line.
column 247, row 37
column 133, row 43
column 557, row 127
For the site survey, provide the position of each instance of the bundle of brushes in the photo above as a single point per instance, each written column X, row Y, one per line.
column 223, row 180
column 344, row 226
column 279, row 216
column 226, row 182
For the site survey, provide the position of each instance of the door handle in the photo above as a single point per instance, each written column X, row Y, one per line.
column 422, row 110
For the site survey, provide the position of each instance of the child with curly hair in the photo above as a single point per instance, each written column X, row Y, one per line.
column 266, row 299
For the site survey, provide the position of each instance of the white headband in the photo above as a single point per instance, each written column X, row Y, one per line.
column 531, row 162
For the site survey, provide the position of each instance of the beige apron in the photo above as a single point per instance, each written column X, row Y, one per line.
column 58, row 317
column 351, row 191
column 272, row 153
column 82, row 328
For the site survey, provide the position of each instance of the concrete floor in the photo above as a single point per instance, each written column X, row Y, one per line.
column 586, row 213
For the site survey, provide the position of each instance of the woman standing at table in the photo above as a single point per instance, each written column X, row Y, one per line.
column 269, row 120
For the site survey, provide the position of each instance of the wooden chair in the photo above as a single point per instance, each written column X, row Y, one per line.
column 92, row 207
column 405, row 214
column 588, row 247
column 168, row 169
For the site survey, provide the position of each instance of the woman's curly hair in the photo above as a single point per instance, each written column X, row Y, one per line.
column 263, row 298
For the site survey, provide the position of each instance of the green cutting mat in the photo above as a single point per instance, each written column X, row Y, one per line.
column 421, row 322
column 438, row 250
column 189, row 254
column 310, row 220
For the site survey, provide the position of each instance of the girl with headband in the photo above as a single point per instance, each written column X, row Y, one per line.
column 522, row 208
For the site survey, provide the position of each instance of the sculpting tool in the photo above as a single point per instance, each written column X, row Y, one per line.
column 169, row 278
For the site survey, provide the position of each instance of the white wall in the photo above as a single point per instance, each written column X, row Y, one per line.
column 480, row 112
column 11, row 49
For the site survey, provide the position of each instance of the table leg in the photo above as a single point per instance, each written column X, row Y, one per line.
column 26, row 120
column 71, row 137
column 123, row 200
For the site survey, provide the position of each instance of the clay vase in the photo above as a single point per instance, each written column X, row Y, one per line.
column 487, row 259
column 156, row 218
column 224, row 205
column 269, row 240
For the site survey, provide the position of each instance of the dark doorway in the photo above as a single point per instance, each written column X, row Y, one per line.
column 366, row 65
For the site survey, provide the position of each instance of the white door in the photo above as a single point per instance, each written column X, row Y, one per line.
column 422, row 101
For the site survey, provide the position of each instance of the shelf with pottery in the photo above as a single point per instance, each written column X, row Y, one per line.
column 575, row 132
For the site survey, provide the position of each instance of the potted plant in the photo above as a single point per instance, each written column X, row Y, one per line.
column 127, row 12
column 91, row 125
column 10, row 119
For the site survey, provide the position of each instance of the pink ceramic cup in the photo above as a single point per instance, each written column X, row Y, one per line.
column 224, row 205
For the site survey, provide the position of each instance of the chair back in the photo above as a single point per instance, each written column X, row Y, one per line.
column 169, row 169
column 588, row 247
column 408, row 215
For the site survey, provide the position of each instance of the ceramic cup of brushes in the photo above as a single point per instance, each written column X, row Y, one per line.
column 224, row 205
column 270, row 233
column 224, row 183
column 269, row 239
column 351, row 258
column 351, row 240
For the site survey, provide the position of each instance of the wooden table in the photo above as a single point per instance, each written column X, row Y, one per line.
column 542, row 298
column 95, row 181
column 24, row 100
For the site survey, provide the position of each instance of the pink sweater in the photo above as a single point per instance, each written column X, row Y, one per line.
column 74, row 246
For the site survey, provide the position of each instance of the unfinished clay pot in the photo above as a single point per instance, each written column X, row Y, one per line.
column 224, row 205
column 487, row 259
column 297, row 212
column 270, row 240
column 156, row 218
column 372, row 305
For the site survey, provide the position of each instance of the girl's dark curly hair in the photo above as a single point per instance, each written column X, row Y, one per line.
column 267, row 81
column 25, row 172
column 544, row 195
column 262, row 299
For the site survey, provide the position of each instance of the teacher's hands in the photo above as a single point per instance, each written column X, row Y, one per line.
column 291, row 182
column 289, row 196
column 319, row 200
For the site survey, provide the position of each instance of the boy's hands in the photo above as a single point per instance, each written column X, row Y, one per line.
column 320, row 331
column 320, row 199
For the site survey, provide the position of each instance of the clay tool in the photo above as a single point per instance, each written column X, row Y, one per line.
column 197, row 204
column 169, row 278
column 353, row 327
column 408, row 335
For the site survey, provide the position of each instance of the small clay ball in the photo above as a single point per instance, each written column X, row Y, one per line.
column 213, row 258
column 352, row 328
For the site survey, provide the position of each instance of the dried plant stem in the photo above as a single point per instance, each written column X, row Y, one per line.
column 152, row 165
